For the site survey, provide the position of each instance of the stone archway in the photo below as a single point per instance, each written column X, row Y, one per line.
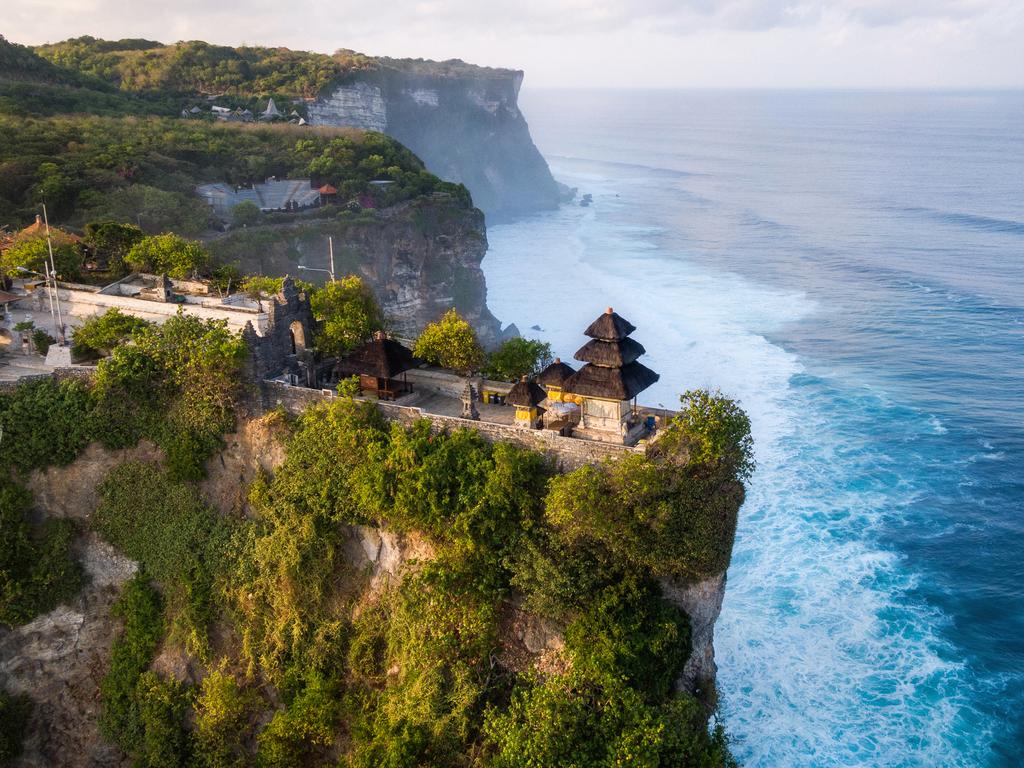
column 298, row 337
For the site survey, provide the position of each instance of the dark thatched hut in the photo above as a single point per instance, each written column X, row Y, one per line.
column 378, row 363
column 555, row 375
column 527, row 396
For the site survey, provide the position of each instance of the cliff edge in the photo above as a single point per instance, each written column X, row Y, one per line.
column 463, row 121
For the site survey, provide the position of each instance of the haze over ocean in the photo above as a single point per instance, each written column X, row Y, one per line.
column 850, row 265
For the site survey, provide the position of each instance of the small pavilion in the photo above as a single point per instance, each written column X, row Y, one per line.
column 379, row 363
column 527, row 396
column 553, row 378
column 607, row 386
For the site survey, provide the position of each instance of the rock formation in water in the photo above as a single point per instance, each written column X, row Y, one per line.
column 463, row 122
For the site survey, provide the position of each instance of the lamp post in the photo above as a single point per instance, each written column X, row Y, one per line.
column 52, row 269
column 318, row 269
column 330, row 251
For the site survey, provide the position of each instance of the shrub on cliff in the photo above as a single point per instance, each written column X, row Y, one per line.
column 44, row 422
column 178, row 540
column 450, row 343
column 673, row 511
column 37, row 568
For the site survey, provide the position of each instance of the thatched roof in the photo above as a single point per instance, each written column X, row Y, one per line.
column 610, row 354
column 612, row 383
column 381, row 357
column 525, row 394
column 610, row 327
column 555, row 374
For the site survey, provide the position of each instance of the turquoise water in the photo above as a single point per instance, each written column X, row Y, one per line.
column 851, row 267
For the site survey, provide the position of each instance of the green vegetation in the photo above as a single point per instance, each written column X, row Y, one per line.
column 30, row 252
column 348, row 313
column 144, row 170
column 417, row 676
column 37, row 571
column 223, row 708
column 99, row 335
column 176, row 384
column 43, row 423
column 517, row 357
column 179, row 541
column 121, row 719
column 14, row 714
column 450, row 343
column 167, row 254
column 110, row 243
column 195, row 67
column 245, row 214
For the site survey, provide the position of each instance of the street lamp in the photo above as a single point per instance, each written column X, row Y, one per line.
column 330, row 246
column 318, row 269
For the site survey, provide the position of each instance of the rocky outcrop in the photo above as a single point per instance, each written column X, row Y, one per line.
column 462, row 121
column 421, row 259
column 702, row 602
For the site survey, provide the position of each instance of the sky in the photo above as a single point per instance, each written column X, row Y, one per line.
column 598, row 43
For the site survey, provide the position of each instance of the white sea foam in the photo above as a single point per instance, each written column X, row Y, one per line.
column 825, row 659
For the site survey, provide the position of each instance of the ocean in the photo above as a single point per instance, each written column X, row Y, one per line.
column 850, row 266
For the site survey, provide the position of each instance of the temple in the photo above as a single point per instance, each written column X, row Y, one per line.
column 607, row 386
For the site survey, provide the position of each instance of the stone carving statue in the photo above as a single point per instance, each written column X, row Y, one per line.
column 469, row 410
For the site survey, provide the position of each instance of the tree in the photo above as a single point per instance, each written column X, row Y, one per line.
column 31, row 252
column 450, row 343
column 516, row 358
column 167, row 254
column 245, row 213
column 349, row 315
column 98, row 335
column 110, row 242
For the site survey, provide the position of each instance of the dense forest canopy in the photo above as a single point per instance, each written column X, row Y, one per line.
column 145, row 170
column 196, row 67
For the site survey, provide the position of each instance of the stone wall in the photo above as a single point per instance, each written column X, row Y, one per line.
column 566, row 453
column 80, row 372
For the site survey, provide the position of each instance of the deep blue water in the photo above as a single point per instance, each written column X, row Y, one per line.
column 851, row 267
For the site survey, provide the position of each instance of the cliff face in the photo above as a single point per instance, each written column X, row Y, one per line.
column 463, row 122
column 420, row 258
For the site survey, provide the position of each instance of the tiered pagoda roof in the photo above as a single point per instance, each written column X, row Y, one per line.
column 611, row 371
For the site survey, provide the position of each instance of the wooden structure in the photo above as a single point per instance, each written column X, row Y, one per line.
column 379, row 363
column 606, row 387
column 527, row 396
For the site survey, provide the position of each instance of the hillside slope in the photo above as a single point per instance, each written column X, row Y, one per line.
column 462, row 120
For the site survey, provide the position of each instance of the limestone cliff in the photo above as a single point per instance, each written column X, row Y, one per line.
column 462, row 121
column 420, row 258
column 59, row 659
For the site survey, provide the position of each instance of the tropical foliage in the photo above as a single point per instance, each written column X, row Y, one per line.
column 99, row 335
column 144, row 170
column 517, row 357
column 450, row 343
column 348, row 313
column 37, row 570
column 167, row 254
